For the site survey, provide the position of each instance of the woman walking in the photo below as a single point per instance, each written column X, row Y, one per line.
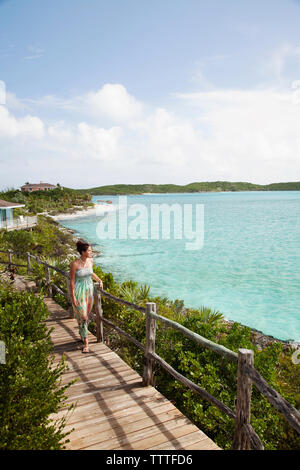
column 82, row 289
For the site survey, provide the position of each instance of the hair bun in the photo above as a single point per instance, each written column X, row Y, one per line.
column 82, row 246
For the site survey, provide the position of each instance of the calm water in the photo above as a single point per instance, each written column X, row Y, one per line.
column 248, row 267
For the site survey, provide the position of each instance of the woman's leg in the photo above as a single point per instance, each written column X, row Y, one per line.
column 89, row 306
column 82, row 327
column 84, row 334
column 83, row 311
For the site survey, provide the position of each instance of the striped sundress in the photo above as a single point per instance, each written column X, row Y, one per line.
column 84, row 293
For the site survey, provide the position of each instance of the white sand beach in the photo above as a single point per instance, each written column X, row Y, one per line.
column 97, row 210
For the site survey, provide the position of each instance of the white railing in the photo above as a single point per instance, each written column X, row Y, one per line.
column 19, row 223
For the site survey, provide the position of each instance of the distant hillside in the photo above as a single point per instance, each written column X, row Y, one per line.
column 215, row 186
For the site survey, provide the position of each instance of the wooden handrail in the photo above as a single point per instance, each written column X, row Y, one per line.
column 244, row 433
column 253, row 438
column 203, row 393
column 122, row 301
column 283, row 406
column 206, row 343
column 13, row 264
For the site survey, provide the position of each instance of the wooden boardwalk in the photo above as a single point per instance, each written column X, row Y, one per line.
column 113, row 410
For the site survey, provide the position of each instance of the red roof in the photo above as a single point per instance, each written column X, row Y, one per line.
column 40, row 185
column 10, row 204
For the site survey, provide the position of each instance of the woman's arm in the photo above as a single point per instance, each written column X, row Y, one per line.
column 72, row 283
column 96, row 278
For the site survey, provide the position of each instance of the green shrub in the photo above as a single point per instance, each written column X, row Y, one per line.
column 30, row 384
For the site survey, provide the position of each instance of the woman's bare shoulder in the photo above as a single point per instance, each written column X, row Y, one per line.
column 74, row 263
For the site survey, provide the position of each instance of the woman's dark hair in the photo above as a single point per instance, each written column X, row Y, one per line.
column 82, row 246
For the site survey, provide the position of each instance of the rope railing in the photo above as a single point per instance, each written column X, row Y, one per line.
column 245, row 436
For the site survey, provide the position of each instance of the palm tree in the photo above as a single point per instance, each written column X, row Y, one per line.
column 135, row 295
column 207, row 315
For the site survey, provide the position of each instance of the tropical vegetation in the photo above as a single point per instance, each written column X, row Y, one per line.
column 30, row 382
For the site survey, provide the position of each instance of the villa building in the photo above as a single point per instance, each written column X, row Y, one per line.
column 37, row 187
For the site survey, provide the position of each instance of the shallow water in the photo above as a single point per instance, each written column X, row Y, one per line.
column 248, row 267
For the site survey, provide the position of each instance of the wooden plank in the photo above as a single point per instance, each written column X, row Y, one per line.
column 181, row 442
column 145, row 438
column 86, row 364
column 95, row 394
column 135, row 412
column 105, row 377
column 58, row 347
column 116, row 400
column 91, row 369
column 134, row 389
column 122, row 426
column 114, row 437
column 64, row 328
column 157, row 438
column 92, row 375
column 103, row 382
column 74, row 345
column 206, row 444
column 83, row 359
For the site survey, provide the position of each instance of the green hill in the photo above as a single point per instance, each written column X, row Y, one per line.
column 215, row 186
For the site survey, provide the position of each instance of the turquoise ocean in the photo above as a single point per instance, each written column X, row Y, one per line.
column 248, row 267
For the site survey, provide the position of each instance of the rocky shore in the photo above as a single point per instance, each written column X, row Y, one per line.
column 261, row 340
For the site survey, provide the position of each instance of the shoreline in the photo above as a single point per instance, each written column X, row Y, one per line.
column 96, row 209
column 198, row 192
column 259, row 338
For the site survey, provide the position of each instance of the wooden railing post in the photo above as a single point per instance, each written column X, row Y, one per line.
column 28, row 262
column 48, row 280
column 9, row 252
column 70, row 309
column 99, row 314
column 243, row 401
column 150, row 344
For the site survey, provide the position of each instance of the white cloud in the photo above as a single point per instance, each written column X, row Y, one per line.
column 98, row 143
column 28, row 126
column 113, row 101
column 235, row 135
column 255, row 132
column 13, row 103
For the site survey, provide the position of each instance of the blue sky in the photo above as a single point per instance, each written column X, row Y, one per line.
column 136, row 91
